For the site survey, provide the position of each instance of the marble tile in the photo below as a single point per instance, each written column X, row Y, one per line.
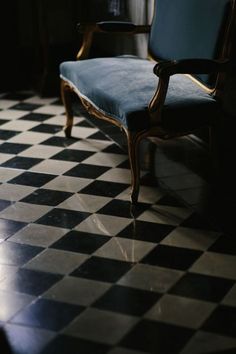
column 216, row 264
column 125, row 249
column 103, row 224
column 181, row 311
column 40, row 151
column 77, row 291
column 38, row 235
column 24, row 212
column 53, row 166
column 147, row 277
column 94, row 325
column 56, row 261
column 84, row 202
column 191, row 238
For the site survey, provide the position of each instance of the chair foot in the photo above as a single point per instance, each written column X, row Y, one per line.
column 67, row 131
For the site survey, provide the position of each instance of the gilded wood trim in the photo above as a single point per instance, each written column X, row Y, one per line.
column 87, row 42
column 98, row 114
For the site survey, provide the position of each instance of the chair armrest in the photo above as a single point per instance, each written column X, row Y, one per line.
column 113, row 27
column 191, row 66
column 88, row 29
column 165, row 69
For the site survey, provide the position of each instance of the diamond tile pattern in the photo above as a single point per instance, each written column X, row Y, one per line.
column 81, row 271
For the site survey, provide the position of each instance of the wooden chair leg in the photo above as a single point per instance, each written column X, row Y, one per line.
column 133, row 149
column 66, row 94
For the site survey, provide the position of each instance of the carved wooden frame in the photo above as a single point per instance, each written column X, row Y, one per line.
column 156, row 103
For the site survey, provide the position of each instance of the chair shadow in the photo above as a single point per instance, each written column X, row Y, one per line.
column 4, row 343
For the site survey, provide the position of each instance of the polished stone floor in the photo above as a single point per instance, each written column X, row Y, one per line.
column 81, row 271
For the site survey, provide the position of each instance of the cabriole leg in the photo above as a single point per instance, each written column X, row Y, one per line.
column 66, row 94
column 133, row 149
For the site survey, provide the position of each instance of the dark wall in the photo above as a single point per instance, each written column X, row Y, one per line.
column 36, row 36
column 39, row 34
column 8, row 29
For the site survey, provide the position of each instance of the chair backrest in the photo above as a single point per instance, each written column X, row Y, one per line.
column 184, row 29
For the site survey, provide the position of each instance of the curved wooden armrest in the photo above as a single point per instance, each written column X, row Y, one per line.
column 165, row 69
column 191, row 66
column 88, row 29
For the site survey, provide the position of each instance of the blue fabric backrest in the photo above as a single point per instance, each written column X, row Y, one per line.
column 183, row 29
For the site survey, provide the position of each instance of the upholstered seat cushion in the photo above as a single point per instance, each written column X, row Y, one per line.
column 122, row 88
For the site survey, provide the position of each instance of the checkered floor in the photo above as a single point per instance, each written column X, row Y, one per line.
column 83, row 272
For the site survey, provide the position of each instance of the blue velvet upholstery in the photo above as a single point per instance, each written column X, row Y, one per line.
column 184, row 29
column 122, row 88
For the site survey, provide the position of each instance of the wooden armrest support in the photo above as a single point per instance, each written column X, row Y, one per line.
column 165, row 69
column 191, row 66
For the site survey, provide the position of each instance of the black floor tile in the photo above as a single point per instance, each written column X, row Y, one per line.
column 29, row 282
column 12, row 148
column 155, row 337
column 125, row 164
column 46, row 197
column 3, row 121
column 3, row 205
column 33, row 179
column 105, row 189
column 63, row 218
column 84, row 123
column 47, row 128
column 20, row 162
column 72, row 155
column 224, row 244
column 172, row 257
column 103, row 269
column 123, row 208
column 24, row 106
column 71, row 345
column 222, row 321
column 38, row 117
column 59, row 141
column 146, row 231
column 114, row 149
column 82, row 242
column 98, row 136
column 86, row 171
column 202, row 287
column 17, row 254
column 47, row 314
column 7, row 134
column 126, row 300
column 10, row 227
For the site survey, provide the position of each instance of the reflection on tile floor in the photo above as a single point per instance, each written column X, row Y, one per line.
column 83, row 272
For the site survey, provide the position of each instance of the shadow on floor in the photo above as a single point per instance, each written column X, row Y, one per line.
column 183, row 167
column 4, row 345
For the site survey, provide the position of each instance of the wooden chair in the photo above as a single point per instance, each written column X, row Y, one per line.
column 172, row 94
